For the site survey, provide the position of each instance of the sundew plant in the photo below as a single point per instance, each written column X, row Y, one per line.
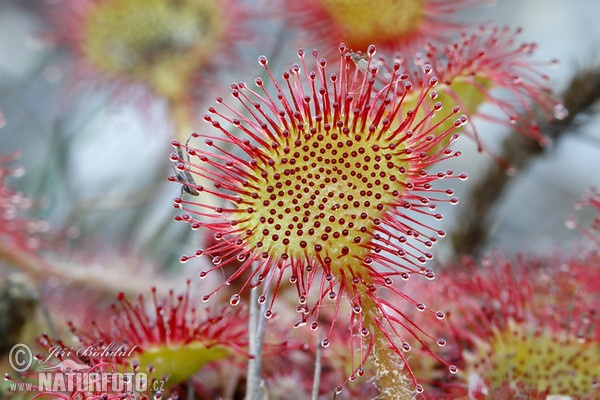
column 294, row 200
column 335, row 173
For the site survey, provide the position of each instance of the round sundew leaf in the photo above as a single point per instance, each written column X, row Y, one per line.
column 466, row 91
column 160, row 43
column 363, row 21
column 549, row 362
column 180, row 362
column 327, row 179
column 324, row 197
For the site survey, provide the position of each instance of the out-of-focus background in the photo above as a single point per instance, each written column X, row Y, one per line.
column 531, row 216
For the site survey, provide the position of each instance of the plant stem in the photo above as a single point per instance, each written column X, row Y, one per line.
column 392, row 379
column 317, row 375
column 256, row 331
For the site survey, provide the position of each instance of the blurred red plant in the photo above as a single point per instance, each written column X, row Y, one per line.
column 17, row 232
column 163, row 48
column 524, row 328
column 175, row 339
column 404, row 26
column 527, row 326
column 171, row 343
column 489, row 66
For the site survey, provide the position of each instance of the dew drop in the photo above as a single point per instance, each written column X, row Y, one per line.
column 261, row 299
column 405, row 346
column 440, row 315
column 388, row 281
column 184, row 259
column 560, row 112
column 303, row 309
column 360, row 371
column 234, row 300
column 364, row 332
column 405, row 276
column 453, row 369
column 216, row 260
column 325, row 342
column 357, row 309
column 571, row 223
column 314, row 326
column 338, row 390
column 300, row 323
column 332, row 295
column 441, row 342
column 241, row 257
column 421, row 307
column 268, row 314
column 205, row 298
column 202, row 274
column 419, row 389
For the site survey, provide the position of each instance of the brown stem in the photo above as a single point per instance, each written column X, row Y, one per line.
column 471, row 226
